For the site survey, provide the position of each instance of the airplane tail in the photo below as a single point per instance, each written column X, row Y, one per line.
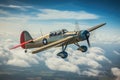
column 25, row 37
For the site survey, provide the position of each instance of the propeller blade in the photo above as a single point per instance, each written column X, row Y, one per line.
column 77, row 28
column 88, row 42
column 21, row 44
column 87, row 38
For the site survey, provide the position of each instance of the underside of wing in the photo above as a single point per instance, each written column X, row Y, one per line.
column 52, row 44
column 95, row 27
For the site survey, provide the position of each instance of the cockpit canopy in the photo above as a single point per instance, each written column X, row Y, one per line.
column 58, row 32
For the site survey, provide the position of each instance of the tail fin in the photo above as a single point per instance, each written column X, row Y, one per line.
column 25, row 36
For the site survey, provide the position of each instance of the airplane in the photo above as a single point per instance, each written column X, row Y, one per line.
column 61, row 38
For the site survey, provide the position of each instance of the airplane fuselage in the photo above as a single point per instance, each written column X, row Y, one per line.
column 49, row 39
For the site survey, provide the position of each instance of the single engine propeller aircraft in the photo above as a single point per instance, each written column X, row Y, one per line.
column 56, row 39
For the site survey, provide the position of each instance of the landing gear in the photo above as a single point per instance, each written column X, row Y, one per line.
column 81, row 48
column 25, row 50
column 63, row 54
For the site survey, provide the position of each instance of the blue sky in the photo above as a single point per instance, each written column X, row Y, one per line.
column 49, row 15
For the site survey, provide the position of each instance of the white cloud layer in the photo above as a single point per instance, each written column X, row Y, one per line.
column 106, row 38
column 47, row 14
column 15, row 57
column 76, row 59
column 116, row 72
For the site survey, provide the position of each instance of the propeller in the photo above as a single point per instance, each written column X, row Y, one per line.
column 77, row 28
column 87, row 38
column 88, row 41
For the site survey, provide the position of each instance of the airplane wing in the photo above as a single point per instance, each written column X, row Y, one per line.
column 52, row 44
column 95, row 27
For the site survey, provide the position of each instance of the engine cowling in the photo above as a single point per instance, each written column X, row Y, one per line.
column 83, row 35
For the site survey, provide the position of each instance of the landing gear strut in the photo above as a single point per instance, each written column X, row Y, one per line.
column 81, row 48
column 63, row 54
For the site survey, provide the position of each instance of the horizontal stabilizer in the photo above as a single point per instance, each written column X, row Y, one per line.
column 21, row 44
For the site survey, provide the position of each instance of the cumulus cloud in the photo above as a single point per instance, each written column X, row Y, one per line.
column 18, row 62
column 47, row 14
column 91, row 72
column 106, row 39
column 15, row 57
column 76, row 60
column 116, row 72
column 61, row 65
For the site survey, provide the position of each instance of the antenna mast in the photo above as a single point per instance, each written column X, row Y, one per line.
column 77, row 26
column 41, row 32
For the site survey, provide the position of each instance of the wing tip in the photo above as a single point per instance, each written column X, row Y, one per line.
column 104, row 23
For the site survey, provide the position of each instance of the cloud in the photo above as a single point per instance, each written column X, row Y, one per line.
column 11, row 17
column 3, row 12
column 116, row 52
column 15, row 57
column 116, row 72
column 18, row 62
column 47, row 14
column 91, row 72
column 62, row 65
column 23, row 8
column 76, row 60
column 10, row 22
column 51, row 14
column 114, row 39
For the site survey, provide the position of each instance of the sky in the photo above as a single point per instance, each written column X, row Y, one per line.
column 50, row 15
column 47, row 16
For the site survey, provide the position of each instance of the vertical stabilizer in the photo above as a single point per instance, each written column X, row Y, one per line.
column 25, row 36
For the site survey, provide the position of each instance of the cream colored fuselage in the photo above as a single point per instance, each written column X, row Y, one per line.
column 39, row 41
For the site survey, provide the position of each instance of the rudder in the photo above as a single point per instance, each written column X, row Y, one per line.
column 25, row 36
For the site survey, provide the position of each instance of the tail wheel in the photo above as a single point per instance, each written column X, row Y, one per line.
column 63, row 54
column 25, row 50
